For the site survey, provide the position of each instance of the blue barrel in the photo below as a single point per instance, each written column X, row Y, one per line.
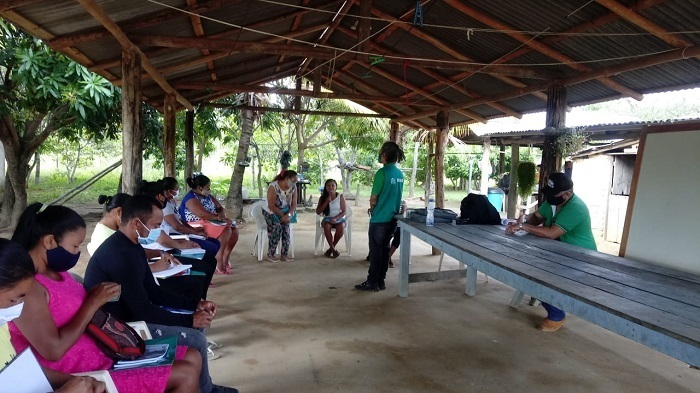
column 495, row 196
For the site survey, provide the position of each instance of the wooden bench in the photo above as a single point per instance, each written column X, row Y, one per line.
column 653, row 305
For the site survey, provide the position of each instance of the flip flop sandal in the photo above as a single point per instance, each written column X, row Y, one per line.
column 335, row 254
column 328, row 253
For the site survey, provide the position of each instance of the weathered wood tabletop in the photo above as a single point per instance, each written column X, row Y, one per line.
column 656, row 306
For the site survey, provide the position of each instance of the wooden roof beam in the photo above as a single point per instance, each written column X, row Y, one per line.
column 537, row 46
column 137, row 23
column 443, row 81
column 327, row 33
column 6, row 5
column 426, row 94
column 199, row 32
column 295, row 26
column 504, row 77
column 303, row 50
column 644, row 23
column 649, row 61
column 249, row 88
column 295, row 111
column 101, row 16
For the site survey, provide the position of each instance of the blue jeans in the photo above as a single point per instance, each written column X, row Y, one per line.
column 554, row 314
column 192, row 338
column 379, row 242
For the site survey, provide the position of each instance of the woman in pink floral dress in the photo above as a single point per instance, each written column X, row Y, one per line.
column 57, row 311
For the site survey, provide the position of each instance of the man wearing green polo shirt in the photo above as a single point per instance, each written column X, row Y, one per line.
column 563, row 217
column 384, row 203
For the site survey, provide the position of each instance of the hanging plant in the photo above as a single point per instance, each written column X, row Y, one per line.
column 526, row 179
column 570, row 141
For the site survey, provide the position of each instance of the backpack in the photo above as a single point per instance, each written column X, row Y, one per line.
column 476, row 209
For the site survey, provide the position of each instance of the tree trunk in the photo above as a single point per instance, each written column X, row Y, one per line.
column 37, row 168
column 259, row 161
column 189, row 144
column 200, row 154
column 71, row 178
column 512, row 209
column 301, row 150
column 132, row 133
column 15, row 198
column 169, row 110
column 2, row 166
column 234, row 199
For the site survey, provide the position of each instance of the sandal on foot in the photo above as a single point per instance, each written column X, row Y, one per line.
column 328, row 253
column 272, row 258
column 335, row 254
column 286, row 258
column 226, row 272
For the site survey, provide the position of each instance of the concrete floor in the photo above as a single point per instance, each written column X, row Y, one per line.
column 301, row 327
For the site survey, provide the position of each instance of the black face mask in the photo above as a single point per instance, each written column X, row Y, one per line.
column 555, row 201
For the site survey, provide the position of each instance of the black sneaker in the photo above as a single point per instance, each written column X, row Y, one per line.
column 223, row 389
column 366, row 286
column 381, row 285
column 391, row 264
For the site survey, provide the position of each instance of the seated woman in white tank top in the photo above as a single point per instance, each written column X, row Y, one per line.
column 332, row 206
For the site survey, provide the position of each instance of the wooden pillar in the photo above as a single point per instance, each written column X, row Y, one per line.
column 411, row 191
column 394, row 132
column 501, row 159
column 443, row 128
column 556, row 121
column 512, row 208
column 132, row 134
column 189, row 143
column 169, row 109
column 297, row 99
column 429, row 169
column 485, row 167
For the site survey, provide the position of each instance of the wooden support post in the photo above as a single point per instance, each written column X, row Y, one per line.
column 169, row 110
column 485, row 167
column 501, row 159
column 512, row 207
column 556, row 121
column 414, row 170
column 317, row 79
column 394, row 131
column 297, row 99
column 429, row 170
column 443, row 128
column 189, row 143
column 132, row 134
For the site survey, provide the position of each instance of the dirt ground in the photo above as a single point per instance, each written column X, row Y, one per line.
column 301, row 327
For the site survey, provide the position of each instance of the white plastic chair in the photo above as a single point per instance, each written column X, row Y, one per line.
column 102, row 376
column 261, row 231
column 141, row 328
column 320, row 238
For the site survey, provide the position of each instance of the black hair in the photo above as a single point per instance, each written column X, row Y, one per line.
column 35, row 223
column 15, row 264
column 324, row 196
column 197, row 180
column 169, row 183
column 288, row 174
column 152, row 188
column 139, row 206
column 393, row 152
column 114, row 201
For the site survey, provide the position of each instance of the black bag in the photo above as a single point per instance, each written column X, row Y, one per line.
column 115, row 338
column 442, row 216
column 476, row 209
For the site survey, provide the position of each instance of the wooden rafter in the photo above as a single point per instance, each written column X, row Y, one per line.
column 237, row 88
column 295, row 26
column 303, row 50
column 199, row 32
column 442, row 80
column 447, row 49
column 101, row 16
column 537, row 46
column 649, row 61
column 323, row 39
column 6, row 5
column 294, row 111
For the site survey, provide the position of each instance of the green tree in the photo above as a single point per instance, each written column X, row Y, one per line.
column 44, row 93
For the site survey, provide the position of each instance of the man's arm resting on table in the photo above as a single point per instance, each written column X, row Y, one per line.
column 553, row 232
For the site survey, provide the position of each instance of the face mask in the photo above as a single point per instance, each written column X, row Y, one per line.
column 206, row 192
column 152, row 237
column 176, row 194
column 290, row 183
column 60, row 260
column 8, row 314
column 555, row 201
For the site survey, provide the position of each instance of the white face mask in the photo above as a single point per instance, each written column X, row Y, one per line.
column 8, row 314
column 206, row 192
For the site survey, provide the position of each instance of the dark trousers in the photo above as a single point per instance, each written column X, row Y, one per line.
column 193, row 286
column 379, row 242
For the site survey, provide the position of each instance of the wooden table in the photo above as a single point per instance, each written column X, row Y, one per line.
column 656, row 306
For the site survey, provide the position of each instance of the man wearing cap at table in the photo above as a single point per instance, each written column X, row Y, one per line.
column 564, row 216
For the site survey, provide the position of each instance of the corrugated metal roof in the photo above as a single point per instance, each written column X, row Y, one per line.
column 445, row 35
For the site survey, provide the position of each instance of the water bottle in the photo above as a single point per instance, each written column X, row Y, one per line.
column 403, row 208
column 430, row 218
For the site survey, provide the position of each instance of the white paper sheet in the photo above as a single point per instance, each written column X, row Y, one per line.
column 173, row 270
column 24, row 375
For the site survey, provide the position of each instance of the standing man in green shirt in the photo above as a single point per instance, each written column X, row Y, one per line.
column 384, row 203
column 563, row 217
